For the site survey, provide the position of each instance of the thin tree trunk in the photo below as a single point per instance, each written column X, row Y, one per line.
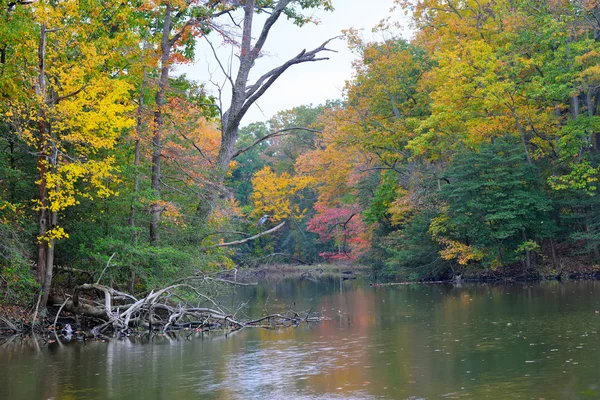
column 42, row 186
column 575, row 106
column 527, row 254
column 158, row 125
column 49, row 262
column 136, row 163
column 500, row 256
column 136, row 187
column 523, row 139
column 136, row 157
column 553, row 253
column 591, row 109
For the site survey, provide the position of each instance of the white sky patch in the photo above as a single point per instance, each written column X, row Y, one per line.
column 307, row 83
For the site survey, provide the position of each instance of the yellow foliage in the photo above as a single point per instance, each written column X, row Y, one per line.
column 275, row 194
column 454, row 250
column 459, row 251
column 55, row 233
column 84, row 108
column 402, row 208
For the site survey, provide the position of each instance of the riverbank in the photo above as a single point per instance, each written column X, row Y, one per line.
column 568, row 268
column 283, row 271
column 192, row 303
column 16, row 319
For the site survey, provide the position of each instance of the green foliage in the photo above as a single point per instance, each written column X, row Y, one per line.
column 468, row 146
column 17, row 282
column 495, row 202
column 411, row 253
column 382, row 200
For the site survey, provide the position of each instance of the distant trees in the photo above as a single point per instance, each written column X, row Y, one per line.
column 471, row 147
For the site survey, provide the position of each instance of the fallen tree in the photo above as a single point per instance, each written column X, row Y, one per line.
column 180, row 305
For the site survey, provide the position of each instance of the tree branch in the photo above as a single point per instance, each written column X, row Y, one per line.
column 223, row 70
column 262, row 38
column 280, row 132
column 263, row 83
column 75, row 93
column 237, row 242
column 197, row 148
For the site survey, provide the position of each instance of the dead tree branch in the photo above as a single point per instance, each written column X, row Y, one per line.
column 278, row 133
column 238, row 242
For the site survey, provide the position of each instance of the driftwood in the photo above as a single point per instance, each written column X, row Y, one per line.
column 123, row 314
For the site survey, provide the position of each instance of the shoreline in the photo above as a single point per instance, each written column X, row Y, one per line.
column 16, row 319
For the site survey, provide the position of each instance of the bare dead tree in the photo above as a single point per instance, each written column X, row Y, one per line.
column 244, row 95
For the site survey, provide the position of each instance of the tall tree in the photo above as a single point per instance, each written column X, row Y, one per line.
column 243, row 94
column 80, row 112
column 182, row 21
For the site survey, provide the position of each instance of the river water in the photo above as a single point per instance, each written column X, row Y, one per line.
column 509, row 341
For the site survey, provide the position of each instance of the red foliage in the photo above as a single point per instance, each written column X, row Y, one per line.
column 343, row 226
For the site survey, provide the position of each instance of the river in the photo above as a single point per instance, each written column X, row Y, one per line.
column 504, row 341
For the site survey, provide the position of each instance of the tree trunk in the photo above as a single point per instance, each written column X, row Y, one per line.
column 136, row 157
column 527, row 254
column 553, row 253
column 575, row 106
column 49, row 262
column 523, row 138
column 136, row 187
column 158, row 125
column 591, row 109
column 42, row 160
column 230, row 120
column 244, row 95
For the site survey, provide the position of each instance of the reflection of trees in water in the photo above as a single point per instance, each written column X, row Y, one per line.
column 378, row 337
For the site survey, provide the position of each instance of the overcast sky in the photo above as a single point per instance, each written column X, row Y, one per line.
column 306, row 83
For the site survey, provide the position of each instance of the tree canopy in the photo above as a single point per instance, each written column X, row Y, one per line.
column 471, row 147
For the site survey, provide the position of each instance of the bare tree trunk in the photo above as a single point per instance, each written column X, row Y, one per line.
column 244, row 95
column 42, row 186
column 233, row 116
column 158, row 125
column 49, row 262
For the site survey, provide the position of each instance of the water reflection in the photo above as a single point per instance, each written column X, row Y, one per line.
column 415, row 341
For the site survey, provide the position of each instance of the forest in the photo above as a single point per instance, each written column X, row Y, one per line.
column 469, row 149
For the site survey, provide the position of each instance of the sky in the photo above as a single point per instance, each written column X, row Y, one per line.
column 307, row 83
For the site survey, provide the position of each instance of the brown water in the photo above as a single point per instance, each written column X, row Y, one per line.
column 519, row 341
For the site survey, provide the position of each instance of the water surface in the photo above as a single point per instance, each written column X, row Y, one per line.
column 516, row 341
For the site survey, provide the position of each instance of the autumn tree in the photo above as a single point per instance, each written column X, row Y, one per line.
column 80, row 110
column 181, row 22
